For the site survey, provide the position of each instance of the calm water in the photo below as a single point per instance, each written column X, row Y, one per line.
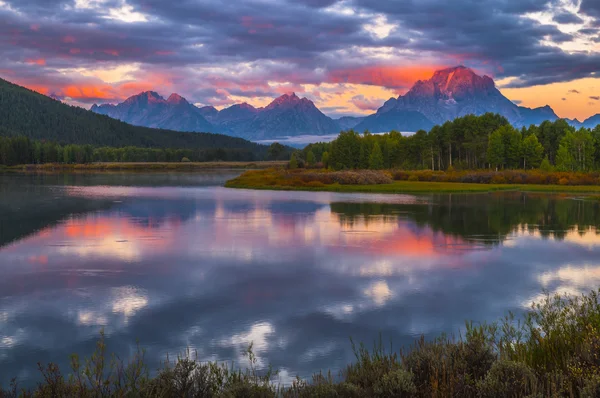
column 176, row 262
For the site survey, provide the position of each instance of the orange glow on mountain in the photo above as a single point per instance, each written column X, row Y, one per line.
column 386, row 76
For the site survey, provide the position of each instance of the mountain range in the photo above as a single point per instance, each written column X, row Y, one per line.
column 26, row 113
column 450, row 93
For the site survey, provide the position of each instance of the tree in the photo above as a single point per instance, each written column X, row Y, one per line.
column 310, row 158
column 564, row 159
column 531, row 151
column 495, row 152
column 275, row 151
column 293, row 162
column 545, row 165
column 325, row 159
column 376, row 158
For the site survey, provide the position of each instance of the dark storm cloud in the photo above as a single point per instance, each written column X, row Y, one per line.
column 233, row 48
column 491, row 32
column 595, row 97
column 591, row 8
column 567, row 18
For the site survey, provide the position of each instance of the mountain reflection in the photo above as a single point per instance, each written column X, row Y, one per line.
column 296, row 273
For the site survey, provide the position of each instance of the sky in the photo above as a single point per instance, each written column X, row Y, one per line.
column 348, row 56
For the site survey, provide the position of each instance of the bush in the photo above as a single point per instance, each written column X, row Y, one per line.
column 498, row 179
column 185, row 160
column 413, row 178
column 398, row 383
column 508, row 379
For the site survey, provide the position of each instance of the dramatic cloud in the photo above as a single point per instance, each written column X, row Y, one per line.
column 595, row 97
column 574, row 91
column 86, row 51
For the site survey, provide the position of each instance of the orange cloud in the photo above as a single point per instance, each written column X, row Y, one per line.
column 40, row 61
column 386, row 76
column 39, row 89
column 75, row 92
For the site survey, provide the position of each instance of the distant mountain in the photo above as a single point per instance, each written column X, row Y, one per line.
column 151, row 110
column 348, row 122
column 574, row 122
column 26, row 113
column 450, row 93
column 287, row 115
column 210, row 113
column 536, row 115
column 235, row 119
column 592, row 122
column 290, row 115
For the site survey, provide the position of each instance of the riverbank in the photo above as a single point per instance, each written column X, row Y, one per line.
column 552, row 351
column 143, row 166
column 365, row 181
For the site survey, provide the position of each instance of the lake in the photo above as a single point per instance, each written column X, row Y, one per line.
column 175, row 261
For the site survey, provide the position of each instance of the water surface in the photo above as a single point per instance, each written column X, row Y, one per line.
column 175, row 261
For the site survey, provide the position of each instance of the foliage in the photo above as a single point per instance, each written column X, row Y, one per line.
column 22, row 150
column 293, row 162
column 553, row 351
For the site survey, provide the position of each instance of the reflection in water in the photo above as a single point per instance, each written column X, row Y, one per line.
column 188, row 265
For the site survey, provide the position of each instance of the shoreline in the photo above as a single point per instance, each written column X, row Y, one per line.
column 275, row 180
column 142, row 166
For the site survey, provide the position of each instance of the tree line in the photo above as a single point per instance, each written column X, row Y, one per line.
column 470, row 142
column 22, row 150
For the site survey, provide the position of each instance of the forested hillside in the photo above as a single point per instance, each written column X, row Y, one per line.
column 26, row 113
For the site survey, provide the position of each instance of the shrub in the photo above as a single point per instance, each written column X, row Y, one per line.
column 498, row 179
column 398, row 383
column 185, row 160
column 563, row 181
column 508, row 379
column 413, row 178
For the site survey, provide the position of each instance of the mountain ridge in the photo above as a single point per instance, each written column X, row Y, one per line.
column 448, row 94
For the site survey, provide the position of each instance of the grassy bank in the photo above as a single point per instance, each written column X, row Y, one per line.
column 144, row 166
column 405, row 182
column 554, row 351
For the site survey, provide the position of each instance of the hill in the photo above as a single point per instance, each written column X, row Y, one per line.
column 26, row 113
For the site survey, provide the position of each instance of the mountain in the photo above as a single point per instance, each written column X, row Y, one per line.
column 151, row 110
column 450, row 93
column 290, row 115
column 26, row 113
column 287, row 115
column 574, row 123
column 348, row 122
column 536, row 115
column 592, row 122
column 209, row 112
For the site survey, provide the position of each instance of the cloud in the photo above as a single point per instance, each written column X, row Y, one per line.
column 211, row 52
column 518, row 102
column 366, row 104
column 567, row 18
column 574, row 92
column 595, row 98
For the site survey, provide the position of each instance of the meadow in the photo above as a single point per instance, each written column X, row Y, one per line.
column 376, row 181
